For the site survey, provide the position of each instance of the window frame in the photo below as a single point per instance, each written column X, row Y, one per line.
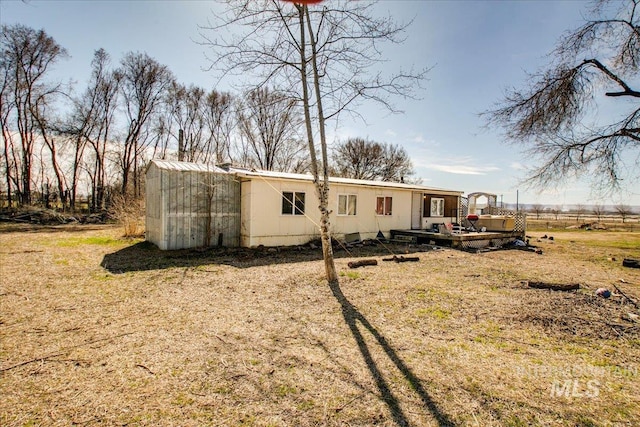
column 293, row 203
column 385, row 211
column 348, row 197
column 439, row 207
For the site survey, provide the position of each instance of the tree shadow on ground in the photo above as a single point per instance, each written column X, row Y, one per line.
column 145, row 256
column 352, row 318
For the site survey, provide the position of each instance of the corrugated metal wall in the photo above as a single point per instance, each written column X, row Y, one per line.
column 196, row 208
column 153, row 201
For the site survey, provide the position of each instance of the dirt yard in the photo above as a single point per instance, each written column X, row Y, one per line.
column 97, row 330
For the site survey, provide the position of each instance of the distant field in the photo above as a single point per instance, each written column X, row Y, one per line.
column 567, row 220
column 571, row 222
column 98, row 330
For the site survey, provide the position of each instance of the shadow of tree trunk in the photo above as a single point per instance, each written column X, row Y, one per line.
column 352, row 317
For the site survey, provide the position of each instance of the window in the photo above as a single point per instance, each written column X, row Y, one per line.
column 437, row 206
column 383, row 205
column 347, row 204
column 292, row 203
column 440, row 206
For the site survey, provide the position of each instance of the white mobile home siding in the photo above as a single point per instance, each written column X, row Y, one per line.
column 262, row 218
column 264, row 223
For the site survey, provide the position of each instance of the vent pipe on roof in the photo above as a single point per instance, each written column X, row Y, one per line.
column 180, row 145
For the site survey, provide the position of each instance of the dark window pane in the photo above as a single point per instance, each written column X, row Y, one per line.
column 287, row 203
column 426, row 206
column 299, row 203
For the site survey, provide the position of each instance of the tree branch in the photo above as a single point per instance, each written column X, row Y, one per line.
column 627, row 90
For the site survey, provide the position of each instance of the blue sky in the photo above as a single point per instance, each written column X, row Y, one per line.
column 477, row 50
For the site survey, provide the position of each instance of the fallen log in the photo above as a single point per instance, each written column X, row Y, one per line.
column 402, row 258
column 362, row 263
column 554, row 286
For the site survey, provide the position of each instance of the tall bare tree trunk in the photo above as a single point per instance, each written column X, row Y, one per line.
column 322, row 187
column 25, row 128
column 51, row 144
column 60, row 181
column 6, row 135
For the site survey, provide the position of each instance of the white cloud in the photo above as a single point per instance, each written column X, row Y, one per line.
column 419, row 139
column 458, row 166
column 417, row 142
column 517, row 166
column 463, row 169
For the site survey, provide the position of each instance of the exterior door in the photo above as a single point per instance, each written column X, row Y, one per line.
column 416, row 211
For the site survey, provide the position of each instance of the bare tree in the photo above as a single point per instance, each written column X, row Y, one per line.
column 26, row 56
column 556, row 210
column 41, row 118
column 269, row 123
column 104, row 88
column 623, row 210
column 363, row 159
column 221, row 122
column 207, row 122
column 74, row 138
column 144, row 83
column 358, row 158
column 184, row 112
column 90, row 125
column 537, row 209
column 191, row 121
column 602, row 57
column 10, row 162
column 579, row 210
column 321, row 56
column 599, row 211
column 397, row 165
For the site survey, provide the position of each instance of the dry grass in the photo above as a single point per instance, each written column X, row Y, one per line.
column 612, row 224
column 129, row 212
column 100, row 330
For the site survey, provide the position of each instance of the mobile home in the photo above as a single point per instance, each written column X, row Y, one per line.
column 195, row 205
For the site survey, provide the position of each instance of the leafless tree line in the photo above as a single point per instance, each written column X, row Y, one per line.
column 581, row 211
column 126, row 114
column 58, row 142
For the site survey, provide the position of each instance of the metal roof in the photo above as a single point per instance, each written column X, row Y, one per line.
column 186, row 166
column 253, row 173
column 250, row 173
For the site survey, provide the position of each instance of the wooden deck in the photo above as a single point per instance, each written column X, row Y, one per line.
column 464, row 240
